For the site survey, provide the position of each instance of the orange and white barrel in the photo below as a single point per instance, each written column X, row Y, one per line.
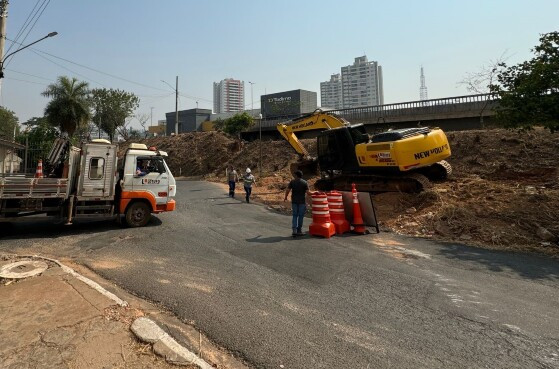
column 321, row 223
column 337, row 212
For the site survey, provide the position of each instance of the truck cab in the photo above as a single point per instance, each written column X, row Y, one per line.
column 146, row 185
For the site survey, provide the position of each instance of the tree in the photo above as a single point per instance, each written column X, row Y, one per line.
column 143, row 119
column 8, row 123
column 112, row 108
column 479, row 82
column 219, row 124
column 40, row 135
column 237, row 123
column 529, row 92
column 68, row 108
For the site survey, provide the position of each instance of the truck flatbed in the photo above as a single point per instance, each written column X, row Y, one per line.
column 16, row 187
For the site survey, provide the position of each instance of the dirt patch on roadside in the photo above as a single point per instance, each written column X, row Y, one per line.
column 504, row 193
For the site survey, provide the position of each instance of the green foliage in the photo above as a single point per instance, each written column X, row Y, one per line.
column 68, row 108
column 529, row 91
column 40, row 135
column 218, row 124
column 8, row 121
column 111, row 108
column 237, row 123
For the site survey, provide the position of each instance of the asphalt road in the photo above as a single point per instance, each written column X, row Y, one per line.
column 374, row 301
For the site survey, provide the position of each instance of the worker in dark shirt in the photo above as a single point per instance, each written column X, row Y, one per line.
column 299, row 188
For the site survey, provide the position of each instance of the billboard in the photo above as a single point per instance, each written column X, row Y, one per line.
column 288, row 103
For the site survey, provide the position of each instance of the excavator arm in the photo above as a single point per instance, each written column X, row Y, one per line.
column 316, row 120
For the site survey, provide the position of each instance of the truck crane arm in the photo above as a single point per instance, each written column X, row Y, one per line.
column 316, row 120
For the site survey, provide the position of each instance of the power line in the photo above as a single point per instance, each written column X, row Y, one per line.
column 69, row 70
column 45, row 3
column 195, row 98
column 31, row 75
column 36, row 20
column 23, row 27
column 24, row 80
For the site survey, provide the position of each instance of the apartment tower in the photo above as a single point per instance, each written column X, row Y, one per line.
column 331, row 92
column 362, row 84
column 229, row 96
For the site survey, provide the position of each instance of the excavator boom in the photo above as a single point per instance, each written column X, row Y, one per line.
column 314, row 121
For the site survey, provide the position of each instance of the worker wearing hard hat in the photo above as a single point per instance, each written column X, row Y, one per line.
column 249, row 181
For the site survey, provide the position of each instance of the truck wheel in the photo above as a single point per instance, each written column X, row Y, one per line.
column 138, row 214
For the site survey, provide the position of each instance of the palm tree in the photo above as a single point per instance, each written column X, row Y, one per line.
column 68, row 108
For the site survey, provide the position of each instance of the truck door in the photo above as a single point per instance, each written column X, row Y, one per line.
column 98, row 171
column 151, row 175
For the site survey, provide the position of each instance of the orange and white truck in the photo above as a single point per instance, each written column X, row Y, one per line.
column 91, row 182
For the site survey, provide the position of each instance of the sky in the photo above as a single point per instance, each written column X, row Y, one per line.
column 280, row 45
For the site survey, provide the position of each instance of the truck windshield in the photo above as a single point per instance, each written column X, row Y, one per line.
column 149, row 164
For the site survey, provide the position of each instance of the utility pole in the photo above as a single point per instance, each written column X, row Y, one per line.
column 177, row 107
column 151, row 117
column 3, row 19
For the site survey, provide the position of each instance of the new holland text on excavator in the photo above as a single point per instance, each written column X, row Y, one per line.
column 403, row 160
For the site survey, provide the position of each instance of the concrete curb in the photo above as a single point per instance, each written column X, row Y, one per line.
column 143, row 328
column 164, row 345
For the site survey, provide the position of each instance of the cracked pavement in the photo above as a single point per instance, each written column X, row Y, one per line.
column 55, row 321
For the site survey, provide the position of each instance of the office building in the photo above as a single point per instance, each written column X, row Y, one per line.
column 362, row 84
column 229, row 96
column 331, row 92
column 288, row 104
column 189, row 120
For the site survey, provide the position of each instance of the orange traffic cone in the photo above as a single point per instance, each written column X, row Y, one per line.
column 39, row 170
column 337, row 212
column 321, row 224
column 358, row 224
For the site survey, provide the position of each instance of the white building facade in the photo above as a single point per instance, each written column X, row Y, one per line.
column 229, row 96
column 362, row 84
column 331, row 92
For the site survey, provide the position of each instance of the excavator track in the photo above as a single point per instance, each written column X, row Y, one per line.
column 438, row 171
column 409, row 182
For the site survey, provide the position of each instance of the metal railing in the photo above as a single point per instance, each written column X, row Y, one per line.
column 475, row 104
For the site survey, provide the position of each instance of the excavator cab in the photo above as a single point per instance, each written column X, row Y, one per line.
column 336, row 147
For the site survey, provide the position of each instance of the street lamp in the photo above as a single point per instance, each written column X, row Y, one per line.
column 176, row 104
column 52, row 34
column 260, row 146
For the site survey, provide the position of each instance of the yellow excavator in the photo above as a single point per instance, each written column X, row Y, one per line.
column 403, row 160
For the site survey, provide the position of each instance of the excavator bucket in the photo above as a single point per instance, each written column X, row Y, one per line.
column 309, row 167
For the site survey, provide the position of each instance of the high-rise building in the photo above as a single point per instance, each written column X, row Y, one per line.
column 362, row 84
column 422, row 86
column 229, row 96
column 331, row 92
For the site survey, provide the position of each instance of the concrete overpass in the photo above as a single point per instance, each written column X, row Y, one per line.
column 450, row 113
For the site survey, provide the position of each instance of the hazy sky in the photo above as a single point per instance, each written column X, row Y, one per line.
column 279, row 45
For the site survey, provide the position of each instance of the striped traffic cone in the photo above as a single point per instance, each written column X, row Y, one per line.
column 39, row 170
column 358, row 224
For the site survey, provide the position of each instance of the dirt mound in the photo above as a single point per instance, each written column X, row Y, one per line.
column 504, row 193
column 209, row 153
